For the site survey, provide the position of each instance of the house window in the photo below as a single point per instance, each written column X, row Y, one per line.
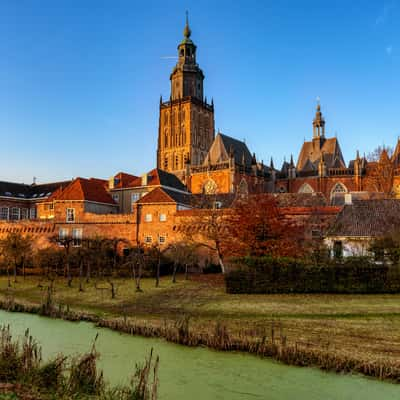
column 163, row 217
column 77, row 237
column 63, row 233
column 32, row 213
column 115, row 197
column 148, row 218
column 135, row 197
column 4, row 213
column 15, row 213
column 338, row 249
column 162, row 239
column 70, row 214
column 24, row 213
column 148, row 239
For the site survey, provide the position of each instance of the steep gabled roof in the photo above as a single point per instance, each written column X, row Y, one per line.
column 161, row 195
column 314, row 150
column 85, row 190
column 122, row 179
column 367, row 218
column 222, row 146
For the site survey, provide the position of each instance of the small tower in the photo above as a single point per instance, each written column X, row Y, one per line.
column 318, row 124
column 322, row 169
column 187, row 78
column 291, row 169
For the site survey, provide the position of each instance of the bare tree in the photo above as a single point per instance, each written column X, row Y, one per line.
column 15, row 248
column 380, row 172
column 206, row 226
column 182, row 254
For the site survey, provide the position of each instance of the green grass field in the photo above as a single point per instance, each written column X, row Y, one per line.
column 363, row 326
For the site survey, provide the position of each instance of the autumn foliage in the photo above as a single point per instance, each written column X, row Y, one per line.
column 255, row 226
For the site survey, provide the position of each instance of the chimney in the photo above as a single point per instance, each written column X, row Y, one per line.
column 111, row 183
column 144, row 180
column 348, row 199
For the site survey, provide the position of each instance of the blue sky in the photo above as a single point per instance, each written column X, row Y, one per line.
column 80, row 81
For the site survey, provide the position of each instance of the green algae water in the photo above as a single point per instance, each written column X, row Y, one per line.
column 196, row 373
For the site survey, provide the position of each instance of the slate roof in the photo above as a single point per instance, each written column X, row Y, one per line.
column 33, row 192
column 221, row 148
column 367, row 218
column 85, row 190
column 311, row 154
column 162, row 195
column 300, row 200
column 158, row 177
column 208, row 201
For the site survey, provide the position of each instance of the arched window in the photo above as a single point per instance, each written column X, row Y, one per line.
column 306, row 188
column 338, row 190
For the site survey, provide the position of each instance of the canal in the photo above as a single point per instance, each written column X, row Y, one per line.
column 196, row 373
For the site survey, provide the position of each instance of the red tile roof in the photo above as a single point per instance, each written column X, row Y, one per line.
column 161, row 195
column 84, row 189
column 123, row 179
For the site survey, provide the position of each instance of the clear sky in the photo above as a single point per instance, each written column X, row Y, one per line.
column 80, row 81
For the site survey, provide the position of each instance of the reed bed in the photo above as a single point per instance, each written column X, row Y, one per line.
column 272, row 343
column 24, row 374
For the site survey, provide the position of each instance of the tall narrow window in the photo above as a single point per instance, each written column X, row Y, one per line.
column 70, row 215
column 15, row 213
column 4, row 213
column 77, row 237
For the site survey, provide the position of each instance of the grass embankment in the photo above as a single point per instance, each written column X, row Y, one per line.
column 341, row 332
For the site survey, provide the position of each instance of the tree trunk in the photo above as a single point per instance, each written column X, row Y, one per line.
column 186, row 272
column 158, row 271
column 88, row 272
column 81, row 275
column 8, row 276
column 15, row 272
column 174, row 272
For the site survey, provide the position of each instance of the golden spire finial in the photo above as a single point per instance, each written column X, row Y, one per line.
column 187, row 32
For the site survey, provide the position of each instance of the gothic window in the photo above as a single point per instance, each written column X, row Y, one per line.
column 338, row 189
column 166, row 163
column 166, row 137
column 176, row 162
column 210, row 187
column 166, row 118
column 306, row 188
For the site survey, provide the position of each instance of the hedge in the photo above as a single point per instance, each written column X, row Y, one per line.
column 270, row 275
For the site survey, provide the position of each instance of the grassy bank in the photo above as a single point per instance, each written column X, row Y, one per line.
column 336, row 332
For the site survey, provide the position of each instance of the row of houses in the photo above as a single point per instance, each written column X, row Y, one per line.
column 150, row 209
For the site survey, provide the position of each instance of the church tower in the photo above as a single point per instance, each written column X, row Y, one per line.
column 186, row 125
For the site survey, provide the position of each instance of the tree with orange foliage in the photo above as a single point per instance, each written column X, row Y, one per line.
column 255, row 226
column 380, row 171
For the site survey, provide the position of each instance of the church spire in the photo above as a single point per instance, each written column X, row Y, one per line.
column 187, row 78
column 318, row 123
